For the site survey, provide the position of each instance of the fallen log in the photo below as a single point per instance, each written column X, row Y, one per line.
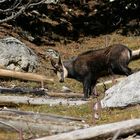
column 24, row 76
column 20, row 90
column 136, row 54
column 38, row 101
column 39, row 91
column 123, row 128
column 65, row 95
column 41, row 116
column 38, row 122
column 110, row 81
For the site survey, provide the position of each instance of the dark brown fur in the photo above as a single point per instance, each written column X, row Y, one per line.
column 91, row 65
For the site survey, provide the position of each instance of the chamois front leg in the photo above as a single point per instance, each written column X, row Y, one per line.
column 86, row 89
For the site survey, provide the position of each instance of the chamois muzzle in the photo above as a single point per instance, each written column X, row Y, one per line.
column 61, row 80
column 60, row 75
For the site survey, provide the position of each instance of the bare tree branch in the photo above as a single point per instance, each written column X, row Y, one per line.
column 13, row 13
column 2, row 1
column 14, row 6
column 9, row 126
column 13, row 16
column 37, row 3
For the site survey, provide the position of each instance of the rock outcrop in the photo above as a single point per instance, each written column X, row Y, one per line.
column 15, row 55
column 125, row 93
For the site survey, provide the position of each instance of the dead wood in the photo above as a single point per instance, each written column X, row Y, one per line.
column 110, row 81
column 99, row 132
column 136, row 54
column 22, row 90
column 39, row 91
column 65, row 95
column 24, row 76
column 38, row 122
column 41, row 116
column 38, row 101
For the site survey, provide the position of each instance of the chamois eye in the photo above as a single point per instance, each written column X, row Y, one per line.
column 60, row 70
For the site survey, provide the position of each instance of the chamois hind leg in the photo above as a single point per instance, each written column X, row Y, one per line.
column 126, row 70
column 121, row 69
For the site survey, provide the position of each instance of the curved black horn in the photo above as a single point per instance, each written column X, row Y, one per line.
column 59, row 61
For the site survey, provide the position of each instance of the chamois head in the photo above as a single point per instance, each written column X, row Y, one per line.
column 59, row 69
column 56, row 63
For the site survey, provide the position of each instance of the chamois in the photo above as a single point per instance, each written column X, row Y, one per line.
column 91, row 65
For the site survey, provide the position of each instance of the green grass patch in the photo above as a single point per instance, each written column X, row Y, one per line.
column 86, row 112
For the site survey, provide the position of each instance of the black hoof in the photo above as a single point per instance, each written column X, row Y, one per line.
column 84, row 99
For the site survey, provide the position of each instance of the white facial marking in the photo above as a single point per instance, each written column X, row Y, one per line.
column 65, row 72
column 59, row 75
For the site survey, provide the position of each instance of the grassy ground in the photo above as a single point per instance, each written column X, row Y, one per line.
column 84, row 111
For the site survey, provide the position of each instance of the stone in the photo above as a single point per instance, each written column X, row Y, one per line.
column 15, row 55
column 125, row 93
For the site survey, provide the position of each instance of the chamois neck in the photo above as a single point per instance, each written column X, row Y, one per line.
column 68, row 69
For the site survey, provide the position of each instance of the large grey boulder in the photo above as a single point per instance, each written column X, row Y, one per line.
column 16, row 55
column 126, row 92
